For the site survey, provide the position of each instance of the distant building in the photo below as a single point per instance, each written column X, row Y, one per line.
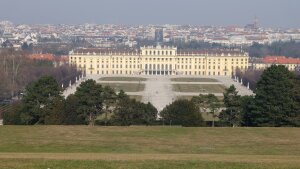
column 159, row 35
column 56, row 60
column 292, row 64
column 158, row 61
column 47, row 57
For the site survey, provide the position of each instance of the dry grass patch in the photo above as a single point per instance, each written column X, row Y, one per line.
column 40, row 147
column 190, row 97
column 193, row 80
column 85, row 139
column 137, row 79
column 127, row 87
column 199, row 88
column 136, row 97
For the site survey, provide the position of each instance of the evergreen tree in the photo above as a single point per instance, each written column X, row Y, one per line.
column 208, row 104
column 109, row 102
column 275, row 102
column 72, row 114
column 90, row 95
column 37, row 96
column 182, row 112
column 232, row 115
column 55, row 111
column 130, row 112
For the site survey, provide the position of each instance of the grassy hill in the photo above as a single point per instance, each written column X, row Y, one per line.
column 72, row 147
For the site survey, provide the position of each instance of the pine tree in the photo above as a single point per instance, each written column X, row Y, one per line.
column 274, row 103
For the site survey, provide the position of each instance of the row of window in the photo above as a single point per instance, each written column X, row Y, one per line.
column 158, row 52
column 158, row 66
column 113, row 72
column 165, row 59
column 160, row 72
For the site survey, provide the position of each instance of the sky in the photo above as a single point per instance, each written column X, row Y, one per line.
column 270, row 13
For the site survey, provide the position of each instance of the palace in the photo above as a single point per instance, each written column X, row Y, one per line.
column 159, row 61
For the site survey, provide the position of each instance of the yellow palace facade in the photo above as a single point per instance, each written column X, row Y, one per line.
column 158, row 61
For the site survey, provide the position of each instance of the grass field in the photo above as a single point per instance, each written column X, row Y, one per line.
column 199, row 88
column 193, row 80
column 80, row 147
column 122, row 79
column 127, row 87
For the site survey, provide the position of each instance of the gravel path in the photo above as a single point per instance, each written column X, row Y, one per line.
column 159, row 92
column 280, row 159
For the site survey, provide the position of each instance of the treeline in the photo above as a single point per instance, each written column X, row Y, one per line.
column 289, row 49
column 91, row 104
column 276, row 103
column 250, row 77
column 18, row 71
column 199, row 45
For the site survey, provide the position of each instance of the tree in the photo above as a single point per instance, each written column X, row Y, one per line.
column 295, row 119
column 109, row 102
column 37, row 96
column 11, row 115
column 72, row 113
column 130, row 112
column 214, row 107
column 182, row 112
column 208, row 104
column 275, row 102
column 246, row 105
column 201, row 102
column 232, row 115
column 55, row 111
column 90, row 95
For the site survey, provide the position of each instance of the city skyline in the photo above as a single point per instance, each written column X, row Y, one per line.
column 271, row 13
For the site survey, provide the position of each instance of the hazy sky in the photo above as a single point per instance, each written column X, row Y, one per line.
column 271, row 13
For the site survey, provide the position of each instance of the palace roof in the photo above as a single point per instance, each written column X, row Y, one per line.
column 280, row 60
